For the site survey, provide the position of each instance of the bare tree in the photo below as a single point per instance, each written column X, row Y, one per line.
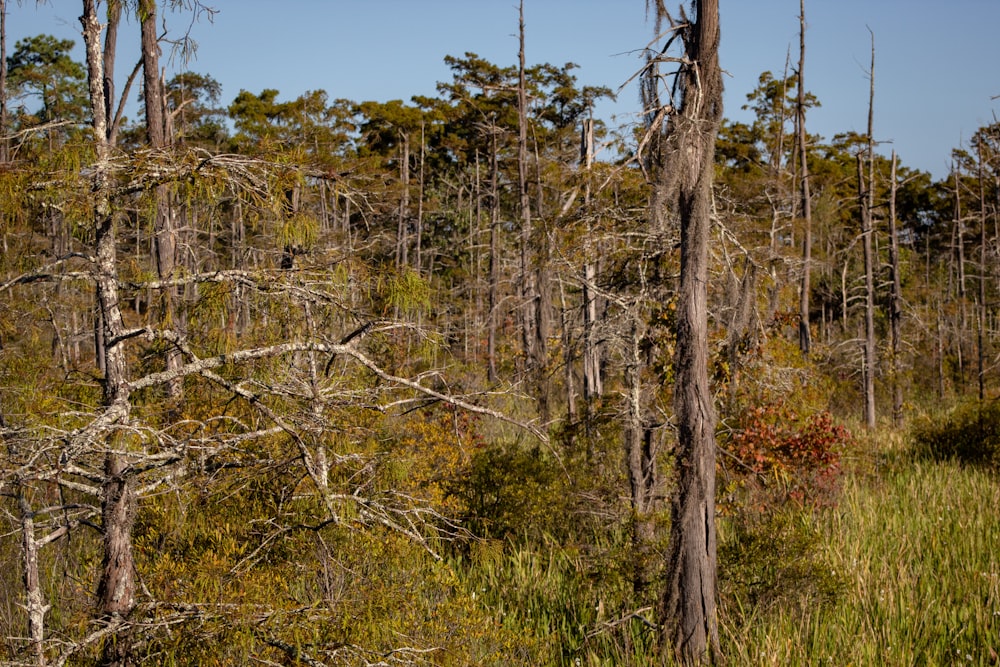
column 688, row 605
column 895, row 302
column 866, row 197
column 116, row 585
column 805, row 337
column 536, row 303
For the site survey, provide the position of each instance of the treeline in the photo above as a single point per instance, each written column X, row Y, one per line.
column 331, row 382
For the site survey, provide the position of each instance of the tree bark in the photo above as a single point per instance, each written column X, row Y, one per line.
column 688, row 605
column 868, row 349
column 164, row 227
column 592, row 384
column 805, row 337
column 402, row 227
column 494, row 261
column 35, row 602
column 867, row 203
column 116, row 586
column 981, row 306
column 640, row 452
column 110, row 50
column 895, row 303
column 536, row 302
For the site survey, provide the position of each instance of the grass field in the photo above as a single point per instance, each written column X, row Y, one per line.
column 917, row 549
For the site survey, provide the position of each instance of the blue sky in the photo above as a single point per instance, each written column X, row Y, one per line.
column 936, row 63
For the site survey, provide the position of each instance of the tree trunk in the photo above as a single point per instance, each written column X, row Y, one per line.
column 981, row 306
column 110, row 50
column 805, row 339
column 867, row 202
column 164, row 227
column 35, row 602
column 868, row 363
column 494, row 262
column 402, row 231
column 116, row 586
column 592, row 385
column 644, row 485
column 895, row 303
column 688, row 606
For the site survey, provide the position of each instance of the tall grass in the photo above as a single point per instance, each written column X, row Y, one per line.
column 919, row 552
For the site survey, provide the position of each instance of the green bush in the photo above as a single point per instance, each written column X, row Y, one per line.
column 969, row 433
column 773, row 560
column 510, row 491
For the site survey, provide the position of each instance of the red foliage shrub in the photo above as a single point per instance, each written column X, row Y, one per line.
column 781, row 456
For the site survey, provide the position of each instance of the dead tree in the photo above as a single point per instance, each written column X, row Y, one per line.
column 805, row 339
column 866, row 197
column 116, row 585
column 895, row 302
column 687, row 609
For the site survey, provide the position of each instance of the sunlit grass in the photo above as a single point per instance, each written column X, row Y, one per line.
column 919, row 551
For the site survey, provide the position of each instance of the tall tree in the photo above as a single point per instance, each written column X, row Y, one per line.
column 895, row 301
column 688, row 605
column 116, row 586
column 164, row 225
column 534, row 277
column 805, row 340
column 867, row 204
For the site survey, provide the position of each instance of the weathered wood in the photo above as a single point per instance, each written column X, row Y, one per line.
column 688, row 605
column 116, row 585
column 805, row 336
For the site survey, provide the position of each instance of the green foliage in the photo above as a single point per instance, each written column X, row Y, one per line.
column 41, row 66
column 774, row 560
column 916, row 551
column 510, row 491
column 968, row 433
column 405, row 292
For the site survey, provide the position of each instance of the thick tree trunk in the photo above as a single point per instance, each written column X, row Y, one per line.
column 688, row 607
column 35, row 602
column 110, row 50
column 592, row 384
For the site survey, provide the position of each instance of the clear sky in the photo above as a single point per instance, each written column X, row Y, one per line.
column 936, row 62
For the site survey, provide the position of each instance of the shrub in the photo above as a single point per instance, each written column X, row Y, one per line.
column 510, row 491
column 970, row 434
column 782, row 456
column 773, row 560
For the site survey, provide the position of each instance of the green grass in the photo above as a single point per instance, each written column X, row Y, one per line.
column 919, row 551
column 903, row 570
